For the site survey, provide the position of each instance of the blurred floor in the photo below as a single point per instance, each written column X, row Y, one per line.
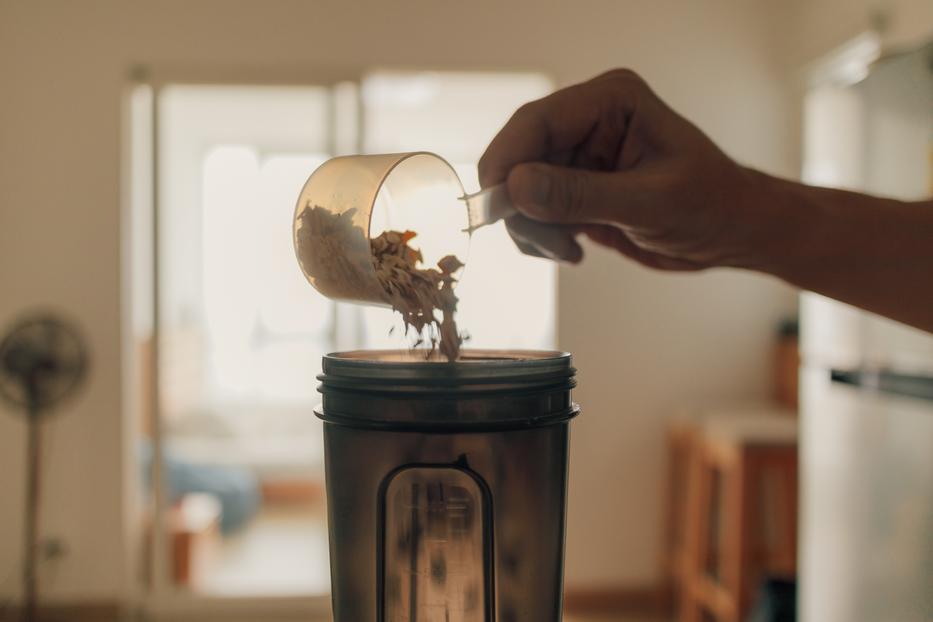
column 608, row 617
column 282, row 552
column 612, row 618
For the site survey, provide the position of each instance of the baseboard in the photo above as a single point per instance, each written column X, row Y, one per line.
column 103, row 611
column 644, row 599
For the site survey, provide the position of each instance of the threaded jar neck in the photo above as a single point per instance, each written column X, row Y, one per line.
column 484, row 390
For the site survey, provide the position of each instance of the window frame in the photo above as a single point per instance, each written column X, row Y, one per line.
column 151, row 590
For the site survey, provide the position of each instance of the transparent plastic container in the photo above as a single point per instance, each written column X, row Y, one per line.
column 350, row 199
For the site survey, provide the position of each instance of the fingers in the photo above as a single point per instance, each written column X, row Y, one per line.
column 557, row 242
column 560, row 122
column 542, row 240
column 616, row 239
column 555, row 194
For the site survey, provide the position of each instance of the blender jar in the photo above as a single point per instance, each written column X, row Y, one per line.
column 447, row 485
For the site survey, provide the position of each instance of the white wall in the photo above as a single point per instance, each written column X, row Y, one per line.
column 644, row 342
column 813, row 28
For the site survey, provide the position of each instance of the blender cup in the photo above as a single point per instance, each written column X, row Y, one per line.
column 447, row 485
column 350, row 199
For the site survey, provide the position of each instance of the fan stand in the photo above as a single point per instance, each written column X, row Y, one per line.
column 31, row 539
column 43, row 361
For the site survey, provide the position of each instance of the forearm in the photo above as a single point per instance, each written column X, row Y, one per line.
column 874, row 253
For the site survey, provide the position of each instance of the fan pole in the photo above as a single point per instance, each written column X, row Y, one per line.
column 31, row 541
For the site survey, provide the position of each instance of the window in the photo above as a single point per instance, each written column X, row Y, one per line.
column 241, row 333
column 507, row 300
column 241, row 336
column 265, row 333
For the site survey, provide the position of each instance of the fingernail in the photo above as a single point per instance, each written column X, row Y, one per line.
column 537, row 190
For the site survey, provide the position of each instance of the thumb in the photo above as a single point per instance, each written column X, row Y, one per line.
column 566, row 195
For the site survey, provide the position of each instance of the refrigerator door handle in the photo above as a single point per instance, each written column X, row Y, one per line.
column 886, row 381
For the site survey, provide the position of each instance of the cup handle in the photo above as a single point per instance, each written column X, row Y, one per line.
column 487, row 206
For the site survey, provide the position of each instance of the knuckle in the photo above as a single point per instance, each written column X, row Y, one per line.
column 527, row 113
column 498, row 158
column 524, row 108
column 622, row 86
column 624, row 75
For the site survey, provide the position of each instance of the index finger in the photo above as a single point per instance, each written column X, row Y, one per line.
column 559, row 122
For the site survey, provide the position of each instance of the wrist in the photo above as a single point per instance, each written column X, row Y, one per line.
column 781, row 224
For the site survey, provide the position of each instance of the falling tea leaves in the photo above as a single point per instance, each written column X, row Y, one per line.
column 334, row 251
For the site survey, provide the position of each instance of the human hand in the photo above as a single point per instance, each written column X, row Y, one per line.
column 608, row 159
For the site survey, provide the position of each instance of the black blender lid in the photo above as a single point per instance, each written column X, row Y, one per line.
column 482, row 387
column 473, row 366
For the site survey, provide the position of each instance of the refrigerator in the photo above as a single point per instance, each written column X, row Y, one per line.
column 866, row 401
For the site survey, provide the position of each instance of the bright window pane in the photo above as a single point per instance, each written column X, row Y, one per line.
column 507, row 300
column 266, row 327
column 241, row 336
column 285, row 306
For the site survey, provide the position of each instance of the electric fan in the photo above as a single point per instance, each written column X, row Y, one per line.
column 43, row 361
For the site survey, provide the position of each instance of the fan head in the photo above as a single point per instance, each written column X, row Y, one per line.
column 43, row 360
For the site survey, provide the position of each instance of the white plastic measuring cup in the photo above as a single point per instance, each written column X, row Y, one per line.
column 350, row 199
